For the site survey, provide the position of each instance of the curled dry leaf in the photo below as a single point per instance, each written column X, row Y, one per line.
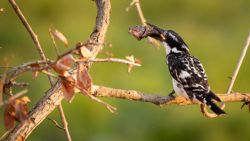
column 83, row 80
column 9, row 117
column 68, row 84
column 16, row 110
column 58, row 35
column 63, row 64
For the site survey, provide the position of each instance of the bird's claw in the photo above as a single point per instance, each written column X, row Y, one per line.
column 246, row 103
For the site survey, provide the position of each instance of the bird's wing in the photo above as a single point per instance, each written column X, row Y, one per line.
column 189, row 72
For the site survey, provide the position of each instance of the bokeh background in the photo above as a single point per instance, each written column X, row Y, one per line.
column 215, row 31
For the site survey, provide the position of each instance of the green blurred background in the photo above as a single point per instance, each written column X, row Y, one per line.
column 215, row 31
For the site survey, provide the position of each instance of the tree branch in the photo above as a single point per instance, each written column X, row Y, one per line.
column 43, row 57
column 102, row 91
column 54, row 96
column 116, row 60
column 230, row 87
column 242, row 56
column 28, row 27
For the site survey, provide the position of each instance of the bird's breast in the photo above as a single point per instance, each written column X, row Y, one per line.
column 179, row 90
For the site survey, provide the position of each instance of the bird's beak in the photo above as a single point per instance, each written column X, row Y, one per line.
column 150, row 30
column 156, row 32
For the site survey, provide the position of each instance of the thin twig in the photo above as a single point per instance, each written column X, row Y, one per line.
column 53, row 41
column 39, row 48
column 56, row 123
column 113, row 60
column 28, row 27
column 15, row 96
column 230, row 87
column 111, row 108
column 3, row 67
column 64, row 121
column 4, row 134
column 242, row 56
column 229, row 90
column 49, row 73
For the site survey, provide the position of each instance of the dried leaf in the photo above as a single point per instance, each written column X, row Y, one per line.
column 1, row 9
column 16, row 109
column 58, row 35
column 68, row 84
column 21, row 108
column 9, row 117
column 62, row 65
column 132, row 59
column 85, row 52
column 84, row 81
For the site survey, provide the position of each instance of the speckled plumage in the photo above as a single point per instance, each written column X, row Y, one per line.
column 188, row 74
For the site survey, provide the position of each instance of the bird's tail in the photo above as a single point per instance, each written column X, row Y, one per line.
column 216, row 109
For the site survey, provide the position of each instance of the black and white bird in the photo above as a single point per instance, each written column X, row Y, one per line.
column 188, row 75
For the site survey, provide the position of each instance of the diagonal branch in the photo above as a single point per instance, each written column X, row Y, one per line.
column 242, row 56
column 230, row 87
column 43, row 57
column 28, row 27
column 55, row 95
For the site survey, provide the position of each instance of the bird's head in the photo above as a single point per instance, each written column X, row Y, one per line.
column 171, row 40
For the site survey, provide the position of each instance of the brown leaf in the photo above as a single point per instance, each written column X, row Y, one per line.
column 83, row 79
column 58, row 35
column 68, row 84
column 9, row 117
column 62, row 65
column 16, row 109
column 21, row 108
